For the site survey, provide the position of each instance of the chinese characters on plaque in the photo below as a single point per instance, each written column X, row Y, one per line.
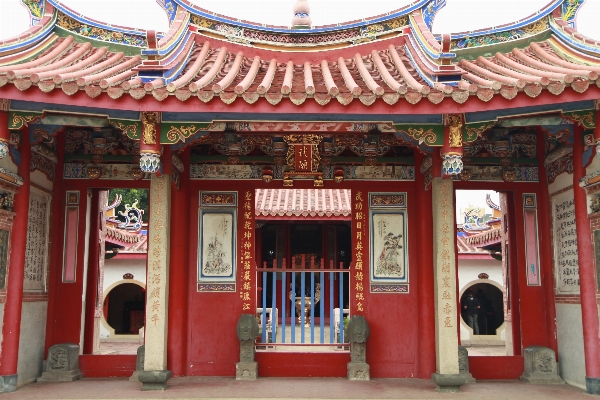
column 359, row 222
column 247, row 253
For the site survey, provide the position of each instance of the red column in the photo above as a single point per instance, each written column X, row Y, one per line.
column 545, row 248
column 11, row 329
column 587, row 273
column 179, row 269
column 55, row 243
column 425, row 284
column 92, row 275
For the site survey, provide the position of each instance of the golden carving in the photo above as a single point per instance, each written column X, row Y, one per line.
column 455, row 124
column 149, row 120
column 474, row 133
column 422, row 135
column 312, row 140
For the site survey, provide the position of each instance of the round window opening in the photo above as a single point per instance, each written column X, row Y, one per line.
column 490, row 314
column 124, row 308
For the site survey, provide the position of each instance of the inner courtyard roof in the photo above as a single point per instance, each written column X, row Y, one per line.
column 386, row 59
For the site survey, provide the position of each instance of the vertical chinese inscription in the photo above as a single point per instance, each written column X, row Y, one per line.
column 37, row 239
column 357, row 275
column 445, row 277
column 246, row 253
column 158, row 273
column 566, row 261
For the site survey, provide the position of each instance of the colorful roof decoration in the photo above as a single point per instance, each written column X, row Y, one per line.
column 391, row 58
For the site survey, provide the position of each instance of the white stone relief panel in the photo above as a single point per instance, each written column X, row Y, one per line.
column 566, row 264
column 37, row 242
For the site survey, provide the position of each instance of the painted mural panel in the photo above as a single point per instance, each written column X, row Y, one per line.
column 388, row 242
column 566, row 264
column 37, row 243
column 217, row 249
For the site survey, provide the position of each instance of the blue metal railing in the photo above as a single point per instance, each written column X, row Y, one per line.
column 300, row 302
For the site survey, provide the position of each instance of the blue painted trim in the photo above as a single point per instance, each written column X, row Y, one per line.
column 283, row 302
column 37, row 38
column 422, row 74
column 293, row 308
column 264, row 307
column 517, row 25
column 578, row 45
column 209, row 16
column 302, row 306
column 342, row 306
column 322, row 307
column 312, row 307
column 172, row 74
column 164, row 51
column 484, row 116
column 274, row 308
column 85, row 20
column 331, row 311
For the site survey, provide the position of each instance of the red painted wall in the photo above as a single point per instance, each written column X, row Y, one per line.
column 107, row 366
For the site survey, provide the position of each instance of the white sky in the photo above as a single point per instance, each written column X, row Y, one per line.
column 457, row 16
column 475, row 198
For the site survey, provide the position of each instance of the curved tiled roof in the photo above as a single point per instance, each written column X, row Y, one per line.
column 193, row 61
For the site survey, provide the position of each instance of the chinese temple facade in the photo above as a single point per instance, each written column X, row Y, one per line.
column 304, row 176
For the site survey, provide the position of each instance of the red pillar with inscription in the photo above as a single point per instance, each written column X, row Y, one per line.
column 247, row 287
column 425, row 294
column 587, row 272
column 11, row 329
column 179, row 266
column 359, row 281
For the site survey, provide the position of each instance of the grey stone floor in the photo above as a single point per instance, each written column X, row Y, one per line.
column 290, row 388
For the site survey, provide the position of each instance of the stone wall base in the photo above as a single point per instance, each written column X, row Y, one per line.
column 8, row 383
column 468, row 377
column 154, row 380
column 358, row 371
column 246, row 371
column 542, row 379
column 61, row 376
column 447, row 383
column 592, row 385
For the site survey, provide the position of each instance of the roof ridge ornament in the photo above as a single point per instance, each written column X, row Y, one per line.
column 36, row 10
column 301, row 18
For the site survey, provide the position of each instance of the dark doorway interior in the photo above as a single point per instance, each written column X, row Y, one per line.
column 491, row 315
column 124, row 308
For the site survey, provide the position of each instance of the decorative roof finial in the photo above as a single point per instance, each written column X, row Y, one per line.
column 301, row 18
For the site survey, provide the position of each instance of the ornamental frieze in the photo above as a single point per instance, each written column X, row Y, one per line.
column 72, row 25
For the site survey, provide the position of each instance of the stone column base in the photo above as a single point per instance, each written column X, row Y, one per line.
column 592, row 385
column 61, row 376
column 468, row 377
column 358, row 371
column 246, row 371
column 135, row 377
column 8, row 383
column 447, row 383
column 154, row 380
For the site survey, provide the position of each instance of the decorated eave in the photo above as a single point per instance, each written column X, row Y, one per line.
column 394, row 58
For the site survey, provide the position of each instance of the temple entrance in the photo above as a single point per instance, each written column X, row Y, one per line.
column 303, row 281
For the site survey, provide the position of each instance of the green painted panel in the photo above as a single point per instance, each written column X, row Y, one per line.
column 20, row 119
column 431, row 135
column 171, row 133
column 133, row 129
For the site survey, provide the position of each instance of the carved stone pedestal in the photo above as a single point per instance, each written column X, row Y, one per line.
column 139, row 364
column 247, row 330
column 8, row 383
column 154, row 380
column 447, row 383
column 62, row 364
column 463, row 364
column 358, row 371
column 540, row 366
column 246, row 371
column 358, row 333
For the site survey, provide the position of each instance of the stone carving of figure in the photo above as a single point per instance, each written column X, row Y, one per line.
column 247, row 331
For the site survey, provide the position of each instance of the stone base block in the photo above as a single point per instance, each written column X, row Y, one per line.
column 61, row 376
column 468, row 377
column 592, row 385
column 246, row 371
column 447, row 383
column 8, row 383
column 154, row 380
column 358, row 371
column 540, row 366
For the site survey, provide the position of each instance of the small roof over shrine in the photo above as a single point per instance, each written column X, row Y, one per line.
column 293, row 203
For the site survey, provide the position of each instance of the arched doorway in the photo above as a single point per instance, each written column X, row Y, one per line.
column 490, row 298
column 124, row 308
